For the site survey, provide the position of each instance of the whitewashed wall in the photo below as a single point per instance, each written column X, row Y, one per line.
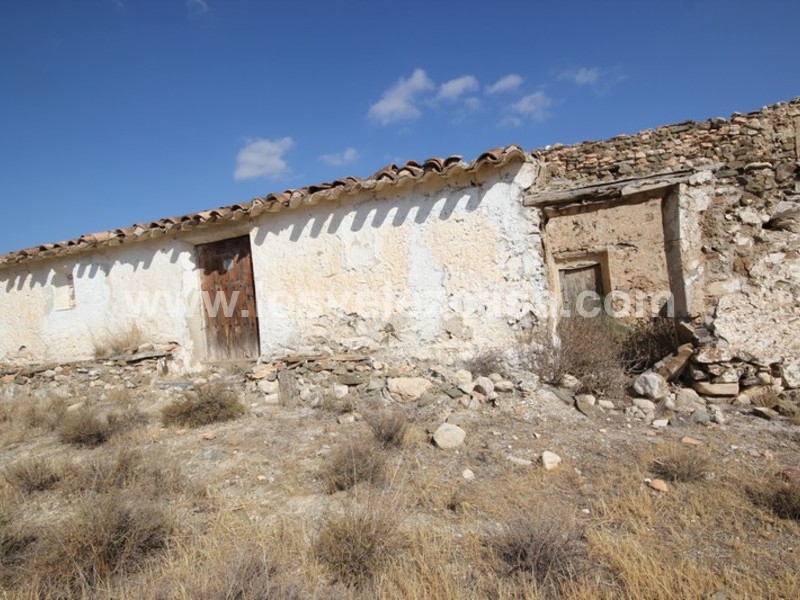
column 109, row 289
column 420, row 273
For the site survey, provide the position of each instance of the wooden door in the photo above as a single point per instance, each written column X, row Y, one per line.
column 229, row 299
column 575, row 281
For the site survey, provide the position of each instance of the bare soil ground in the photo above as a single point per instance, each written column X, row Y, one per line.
column 243, row 509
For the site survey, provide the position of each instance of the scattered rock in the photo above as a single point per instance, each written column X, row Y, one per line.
column 483, row 385
column 673, row 366
column 660, row 423
column 340, row 390
column 606, row 404
column 503, row 386
column 791, row 375
column 208, row 435
column 716, row 389
column 658, row 484
column 584, row 405
column 765, row 413
column 268, row 387
column 712, row 354
column 644, row 404
column 717, row 416
column 690, row 441
column 569, row 382
column 407, row 389
column 462, row 376
column 449, row 436
column 495, row 377
column 651, row 385
column 700, row 416
column 346, row 418
column 550, row 460
column 468, row 474
column 687, row 401
column 523, row 462
column 351, row 379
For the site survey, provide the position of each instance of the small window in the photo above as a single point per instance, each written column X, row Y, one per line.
column 63, row 291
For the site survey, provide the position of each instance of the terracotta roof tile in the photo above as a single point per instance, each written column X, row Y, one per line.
column 273, row 202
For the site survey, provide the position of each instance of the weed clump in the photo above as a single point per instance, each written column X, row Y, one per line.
column 359, row 544
column 355, row 461
column 587, row 348
column 678, row 463
column 209, row 403
column 547, row 549
column 33, row 474
column 389, row 428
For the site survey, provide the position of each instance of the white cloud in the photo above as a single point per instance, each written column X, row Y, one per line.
column 198, row 7
column 534, row 105
column 262, row 158
column 509, row 83
column 339, row 159
column 581, row 75
column 510, row 121
column 397, row 103
column 472, row 103
column 453, row 89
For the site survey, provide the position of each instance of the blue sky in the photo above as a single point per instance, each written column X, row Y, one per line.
column 121, row 111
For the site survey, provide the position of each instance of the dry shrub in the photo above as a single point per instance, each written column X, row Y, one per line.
column 544, row 547
column 354, row 461
column 770, row 398
column 107, row 535
column 209, row 403
column 389, row 428
column 588, row 348
column 681, row 463
column 780, row 496
column 85, row 428
column 126, row 339
column 647, row 342
column 16, row 541
column 149, row 472
column 359, row 543
column 34, row 474
column 243, row 574
column 485, row 362
column 44, row 413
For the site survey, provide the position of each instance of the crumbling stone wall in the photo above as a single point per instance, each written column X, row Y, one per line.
column 750, row 228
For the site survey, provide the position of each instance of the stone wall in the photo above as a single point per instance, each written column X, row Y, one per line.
column 750, row 228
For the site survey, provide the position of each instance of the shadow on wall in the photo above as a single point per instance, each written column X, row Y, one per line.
column 374, row 213
column 89, row 265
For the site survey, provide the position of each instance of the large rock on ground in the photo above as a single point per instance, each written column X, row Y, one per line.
column 408, row 389
column 651, row 385
column 449, row 436
column 687, row 401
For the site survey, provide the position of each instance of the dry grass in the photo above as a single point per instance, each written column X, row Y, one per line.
column 359, row 543
column 681, row 463
column 389, row 428
column 106, row 536
column 587, row 348
column 354, row 461
column 85, row 427
column 779, row 495
column 547, row 548
column 647, row 342
column 209, row 403
column 125, row 339
column 34, row 474
column 485, row 362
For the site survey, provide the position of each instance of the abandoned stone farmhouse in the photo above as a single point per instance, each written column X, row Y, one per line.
column 445, row 256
